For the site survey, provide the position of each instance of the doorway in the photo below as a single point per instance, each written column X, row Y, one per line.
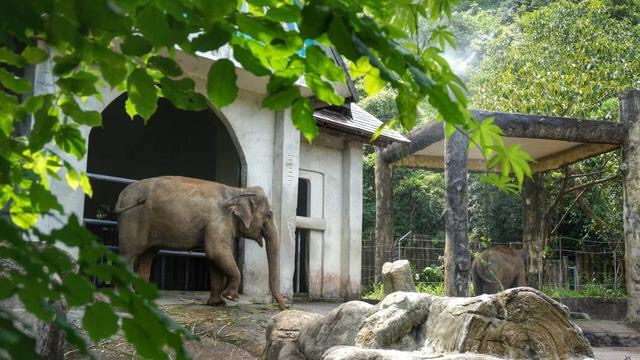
column 301, row 271
column 173, row 142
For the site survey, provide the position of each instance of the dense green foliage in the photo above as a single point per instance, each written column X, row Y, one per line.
column 131, row 46
column 570, row 58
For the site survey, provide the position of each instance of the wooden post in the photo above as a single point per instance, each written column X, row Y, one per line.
column 534, row 226
column 457, row 262
column 384, row 214
column 630, row 116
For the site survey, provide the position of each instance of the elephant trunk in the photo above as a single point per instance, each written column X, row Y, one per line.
column 272, row 240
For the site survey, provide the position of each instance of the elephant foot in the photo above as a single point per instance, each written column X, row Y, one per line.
column 215, row 302
column 230, row 295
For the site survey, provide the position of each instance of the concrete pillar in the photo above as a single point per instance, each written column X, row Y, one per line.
column 457, row 263
column 351, row 220
column 384, row 213
column 534, row 226
column 286, row 159
column 630, row 116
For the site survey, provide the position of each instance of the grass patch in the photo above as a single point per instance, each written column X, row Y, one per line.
column 376, row 291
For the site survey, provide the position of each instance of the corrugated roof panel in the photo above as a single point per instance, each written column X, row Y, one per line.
column 361, row 123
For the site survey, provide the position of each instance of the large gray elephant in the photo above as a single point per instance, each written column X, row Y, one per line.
column 498, row 268
column 180, row 213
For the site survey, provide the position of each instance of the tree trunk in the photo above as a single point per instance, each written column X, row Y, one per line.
column 457, row 262
column 384, row 214
column 534, row 226
column 630, row 116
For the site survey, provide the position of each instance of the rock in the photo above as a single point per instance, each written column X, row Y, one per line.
column 339, row 327
column 516, row 323
column 284, row 328
column 397, row 276
column 50, row 338
column 579, row 316
column 397, row 315
column 356, row 353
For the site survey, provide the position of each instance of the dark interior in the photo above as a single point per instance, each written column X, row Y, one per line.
column 173, row 142
column 301, row 272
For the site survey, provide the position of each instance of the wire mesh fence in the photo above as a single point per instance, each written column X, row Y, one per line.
column 568, row 263
column 422, row 251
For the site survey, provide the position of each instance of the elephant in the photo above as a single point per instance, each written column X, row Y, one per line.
column 181, row 213
column 497, row 269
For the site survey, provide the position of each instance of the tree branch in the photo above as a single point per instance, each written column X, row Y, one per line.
column 556, row 201
column 599, row 181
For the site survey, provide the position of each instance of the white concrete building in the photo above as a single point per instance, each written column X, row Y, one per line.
column 315, row 189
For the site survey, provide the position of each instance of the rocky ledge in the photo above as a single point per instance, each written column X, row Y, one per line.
column 516, row 323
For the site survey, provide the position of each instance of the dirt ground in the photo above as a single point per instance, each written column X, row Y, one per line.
column 237, row 331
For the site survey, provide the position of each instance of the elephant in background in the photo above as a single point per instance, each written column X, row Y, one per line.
column 497, row 269
column 180, row 213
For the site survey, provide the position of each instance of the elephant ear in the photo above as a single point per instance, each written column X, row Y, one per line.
column 242, row 206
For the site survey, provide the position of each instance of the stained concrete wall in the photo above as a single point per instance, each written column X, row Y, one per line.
column 334, row 166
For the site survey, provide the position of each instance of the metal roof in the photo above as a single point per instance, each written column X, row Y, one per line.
column 352, row 119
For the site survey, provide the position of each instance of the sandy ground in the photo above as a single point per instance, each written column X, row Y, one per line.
column 237, row 331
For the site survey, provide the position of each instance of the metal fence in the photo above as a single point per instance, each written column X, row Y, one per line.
column 568, row 262
column 421, row 250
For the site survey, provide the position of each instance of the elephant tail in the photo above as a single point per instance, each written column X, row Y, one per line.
column 120, row 209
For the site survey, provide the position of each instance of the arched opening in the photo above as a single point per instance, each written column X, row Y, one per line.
column 173, row 142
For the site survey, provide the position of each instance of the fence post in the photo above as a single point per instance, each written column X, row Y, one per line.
column 560, row 258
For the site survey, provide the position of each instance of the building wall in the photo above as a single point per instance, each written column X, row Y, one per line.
column 333, row 167
column 273, row 153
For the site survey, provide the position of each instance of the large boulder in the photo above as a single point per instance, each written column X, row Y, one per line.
column 284, row 328
column 356, row 353
column 339, row 327
column 397, row 276
column 516, row 323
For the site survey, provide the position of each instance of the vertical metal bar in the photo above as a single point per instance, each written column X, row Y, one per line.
column 615, row 271
column 162, row 272
column 561, row 264
column 297, row 279
column 186, row 273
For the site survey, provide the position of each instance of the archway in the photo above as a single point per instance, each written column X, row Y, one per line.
column 173, row 142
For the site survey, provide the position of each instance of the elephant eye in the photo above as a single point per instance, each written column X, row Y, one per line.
column 269, row 213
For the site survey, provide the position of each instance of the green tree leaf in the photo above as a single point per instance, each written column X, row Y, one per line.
column 78, row 290
column 135, row 45
column 34, row 55
column 323, row 90
column 100, row 321
column 221, row 83
column 70, row 140
column 154, row 26
column 166, row 65
column 90, row 118
column 143, row 96
column 182, row 94
column 281, row 99
column 302, row 115
column 14, row 83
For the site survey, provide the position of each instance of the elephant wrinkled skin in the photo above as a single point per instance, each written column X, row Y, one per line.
column 180, row 213
column 497, row 269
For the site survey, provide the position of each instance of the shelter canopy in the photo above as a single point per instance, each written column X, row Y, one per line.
column 552, row 142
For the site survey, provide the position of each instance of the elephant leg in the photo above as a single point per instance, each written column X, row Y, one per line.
column 144, row 264
column 217, row 282
column 522, row 279
column 220, row 252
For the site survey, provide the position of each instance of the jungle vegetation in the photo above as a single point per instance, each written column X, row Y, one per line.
column 563, row 58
